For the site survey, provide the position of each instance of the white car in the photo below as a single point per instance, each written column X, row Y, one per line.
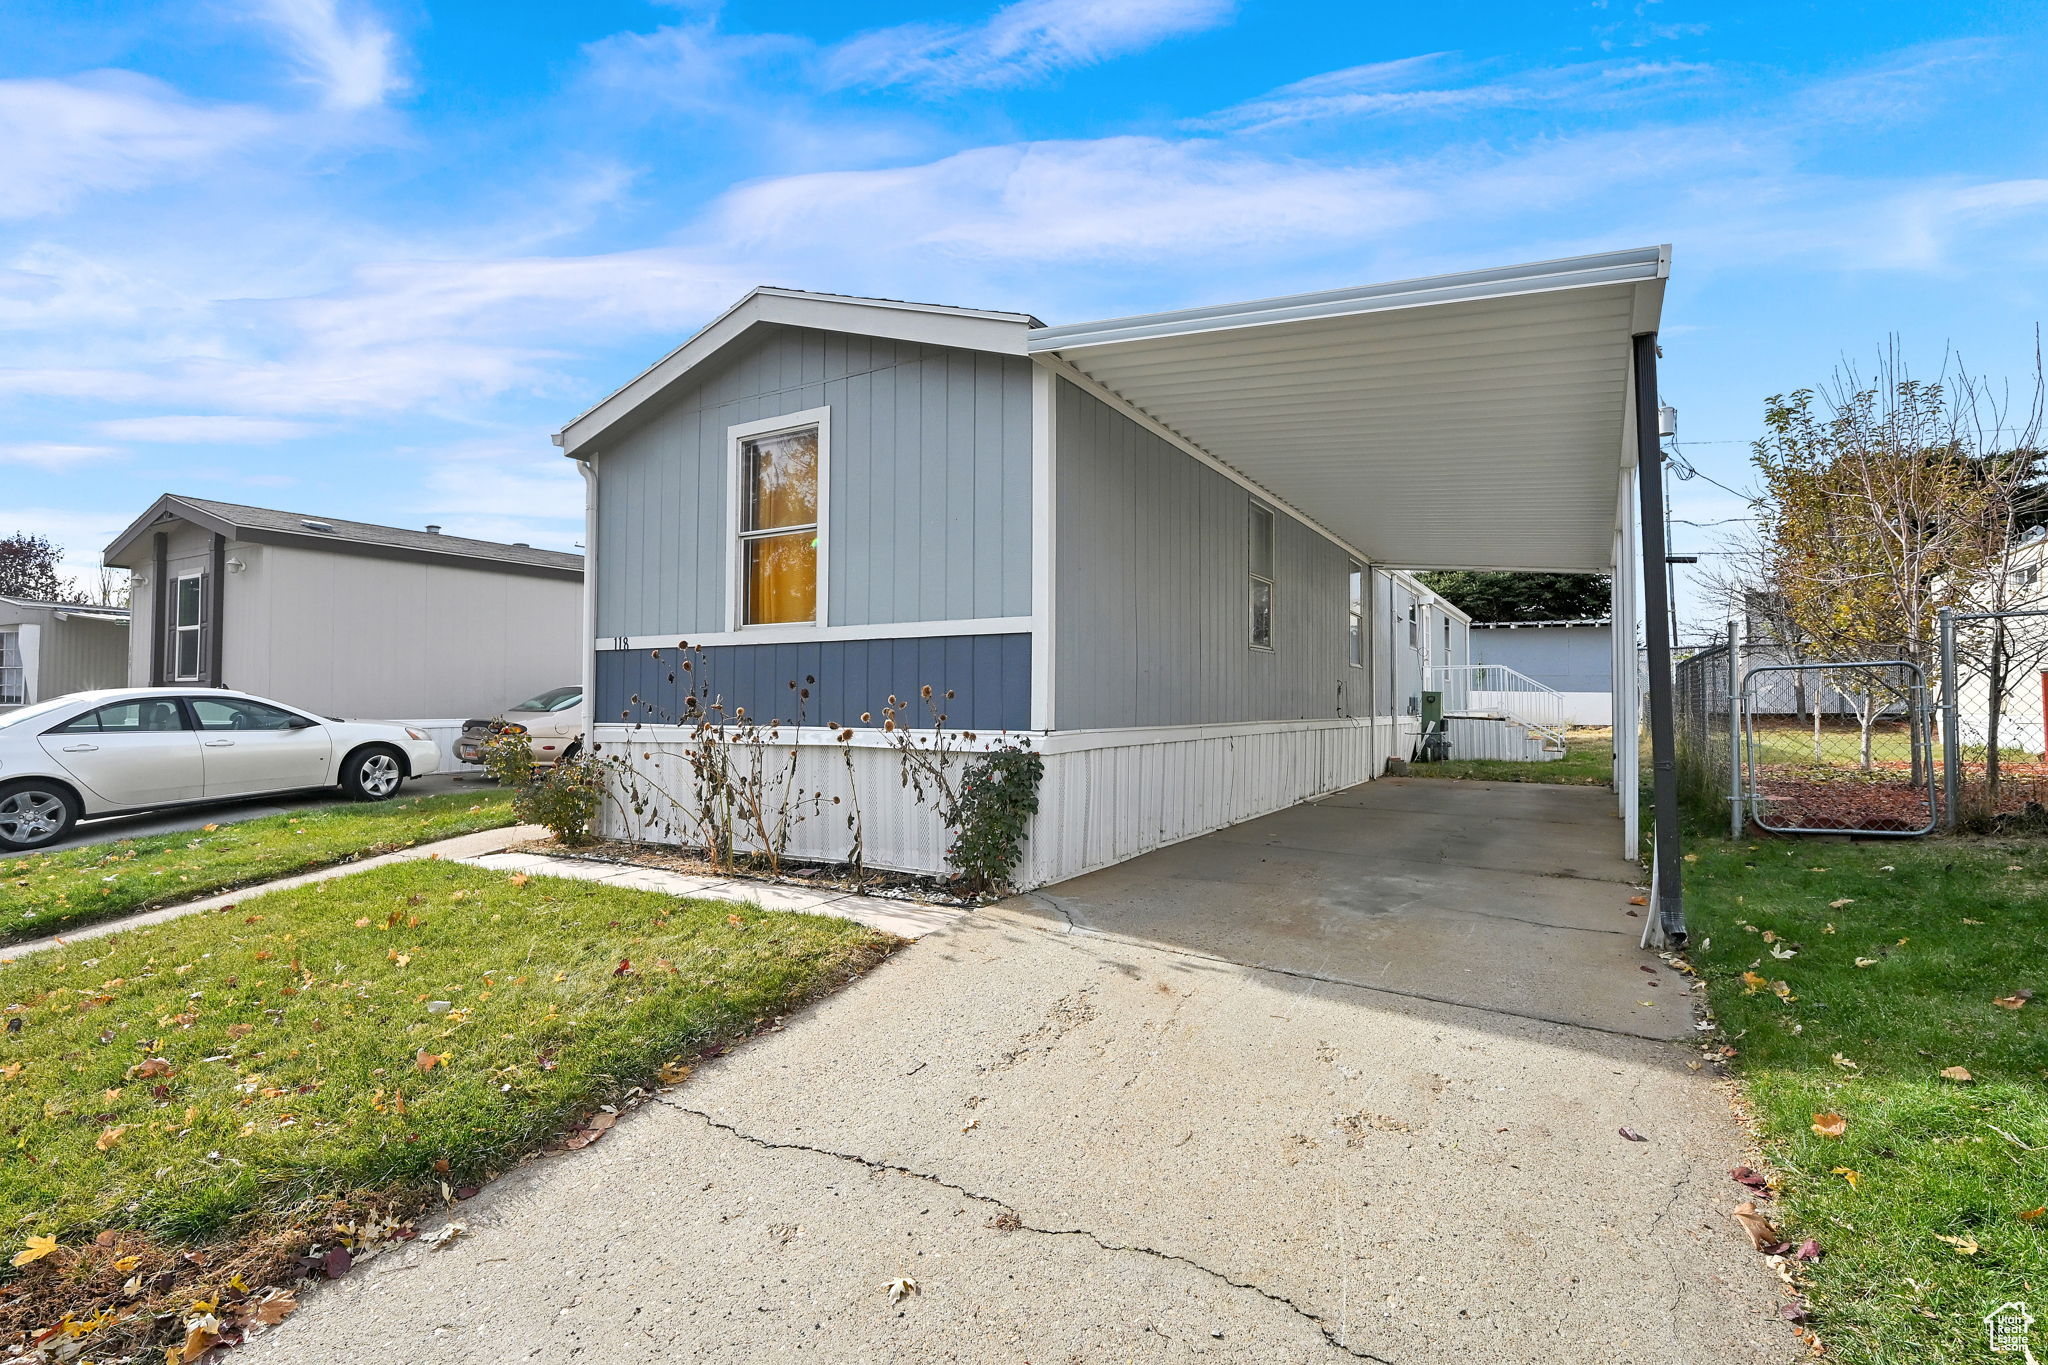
column 552, row 723
column 143, row 748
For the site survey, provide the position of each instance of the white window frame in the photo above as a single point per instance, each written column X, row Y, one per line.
column 197, row 628
column 1414, row 626
column 1252, row 575
column 10, row 648
column 1354, row 613
column 736, row 436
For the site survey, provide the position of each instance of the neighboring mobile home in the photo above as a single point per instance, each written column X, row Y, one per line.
column 346, row 618
column 1171, row 550
column 1573, row 658
column 48, row 649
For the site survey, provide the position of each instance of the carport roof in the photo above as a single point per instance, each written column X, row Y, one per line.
column 1480, row 420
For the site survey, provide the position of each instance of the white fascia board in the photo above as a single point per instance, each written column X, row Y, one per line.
column 932, row 324
column 1637, row 266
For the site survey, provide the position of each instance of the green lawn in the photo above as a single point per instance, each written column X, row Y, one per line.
column 224, row 1076
column 1588, row 762
column 46, row 893
column 1943, row 929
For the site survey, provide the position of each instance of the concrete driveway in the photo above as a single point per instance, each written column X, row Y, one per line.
column 1342, row 1082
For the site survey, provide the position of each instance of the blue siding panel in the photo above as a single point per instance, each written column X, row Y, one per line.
column 990, row 676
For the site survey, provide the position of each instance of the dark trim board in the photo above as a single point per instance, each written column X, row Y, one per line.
column 989, row 675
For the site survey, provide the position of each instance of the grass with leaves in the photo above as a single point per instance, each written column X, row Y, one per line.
column 1885, row 984
column 1588, row 762
column 230, row 1074
column 47, row 893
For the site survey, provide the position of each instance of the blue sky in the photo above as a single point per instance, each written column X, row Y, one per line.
column 360, row 257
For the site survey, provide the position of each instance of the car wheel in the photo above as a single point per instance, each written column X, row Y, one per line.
column 373, row 774
column 33, row 814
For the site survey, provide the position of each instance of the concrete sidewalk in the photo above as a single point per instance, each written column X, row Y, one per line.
column 1089, row 1133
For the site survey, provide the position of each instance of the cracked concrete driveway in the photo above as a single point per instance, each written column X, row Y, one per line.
column 1342, row 1082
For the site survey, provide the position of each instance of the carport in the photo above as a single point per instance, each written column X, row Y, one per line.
column 1489, row 420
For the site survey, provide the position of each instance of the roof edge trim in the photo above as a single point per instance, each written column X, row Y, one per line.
column 973, row 329
column 1637, row 265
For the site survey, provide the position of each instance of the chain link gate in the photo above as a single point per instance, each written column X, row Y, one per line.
column 1841, row 748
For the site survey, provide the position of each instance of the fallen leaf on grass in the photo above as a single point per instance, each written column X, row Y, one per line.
column 901, row 1288
column 2015, row 1000
column 202, row 1333
column 1632, row 1135
column 2029, row 1215
column 599, row 1124
column 1795, row 1313
column 1761, row 1233
column 111, row 1136
column 1843, row 1062
column 1967, row 920
column 1846, row 1174
column 1846, row 900
column 273, row 1310
column 427, row 1061
column 1957, row 1073
column 1830, row 1125
column 1866, row 962
column 1809, row 1250
column 1783, row 953
column 37, row 1248
column 1743, row 1175
column 1965, row 1246
column 520, row 879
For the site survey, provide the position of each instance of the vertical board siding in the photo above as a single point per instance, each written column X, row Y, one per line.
column 1153, row 623
column 990, row 676
column 81, row 654
column 1098, row 805
column 928, row 471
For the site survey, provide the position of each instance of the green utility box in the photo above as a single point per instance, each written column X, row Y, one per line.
column 1435, row 743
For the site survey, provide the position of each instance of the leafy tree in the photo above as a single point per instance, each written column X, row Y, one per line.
column 28, row 567
column 1883, row 502
column 1498, row 596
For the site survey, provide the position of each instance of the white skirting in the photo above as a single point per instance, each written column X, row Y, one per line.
column 1107, row 795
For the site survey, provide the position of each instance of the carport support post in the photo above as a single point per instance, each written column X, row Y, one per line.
column 1667, row 928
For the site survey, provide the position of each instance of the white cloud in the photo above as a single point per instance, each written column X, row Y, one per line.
column 203, row 430
column 352, row 58
column 1112, row 198
column 53, row 455
column 107, row 130
column 1018, row 44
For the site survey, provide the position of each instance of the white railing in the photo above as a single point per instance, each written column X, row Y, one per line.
column 1497, row 690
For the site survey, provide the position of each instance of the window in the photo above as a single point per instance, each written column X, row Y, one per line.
column 1261, row 535
column 1414, row 627
column 128, row 717
column 232, row 713
column 13, row 675
column 188, row 620
column 1355, row 611
column 554, row 699
column 1447, row 639
column 779, row 519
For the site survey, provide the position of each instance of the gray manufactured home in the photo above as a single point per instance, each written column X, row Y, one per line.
column 1174, row 551
column 343, row 617
column 48, row 649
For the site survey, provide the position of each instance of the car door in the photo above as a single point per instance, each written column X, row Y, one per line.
column 248, row 747
column 131, row 753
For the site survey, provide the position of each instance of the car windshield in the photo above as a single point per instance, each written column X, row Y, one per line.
column 554, row 699
column 28, row 713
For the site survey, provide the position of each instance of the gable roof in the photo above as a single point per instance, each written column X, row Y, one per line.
column 266, row 525
column 935, row 324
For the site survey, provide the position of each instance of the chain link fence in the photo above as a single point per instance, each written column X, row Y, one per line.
column 1994, row 721
column 1705, row 724
column 1860, row 760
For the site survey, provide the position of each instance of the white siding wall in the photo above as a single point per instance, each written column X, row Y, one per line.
column 1107, row 796
column 369, row 638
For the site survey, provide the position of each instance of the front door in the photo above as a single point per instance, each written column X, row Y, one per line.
column 250, row 747
column 131, row 753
